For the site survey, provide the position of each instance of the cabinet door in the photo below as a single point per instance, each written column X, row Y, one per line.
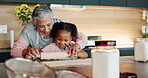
column 113, row 2
column 23, row 1
column 137, row 3
column 53, row 1
column 84, row 2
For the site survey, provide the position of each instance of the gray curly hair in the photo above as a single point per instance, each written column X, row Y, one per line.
column 42, row 12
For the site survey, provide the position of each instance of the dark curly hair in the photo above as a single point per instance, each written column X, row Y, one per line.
column 66, row 27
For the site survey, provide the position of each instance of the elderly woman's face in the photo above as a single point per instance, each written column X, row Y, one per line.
column 44, row 25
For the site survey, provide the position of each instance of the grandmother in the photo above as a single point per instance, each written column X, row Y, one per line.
column 35, row 35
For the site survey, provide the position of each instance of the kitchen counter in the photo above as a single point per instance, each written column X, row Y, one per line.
column 3, row 71
column 127, row 64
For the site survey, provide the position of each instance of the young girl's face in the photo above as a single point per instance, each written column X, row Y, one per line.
column 63, row 38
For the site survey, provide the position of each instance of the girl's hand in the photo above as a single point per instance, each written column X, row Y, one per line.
column 74, row 49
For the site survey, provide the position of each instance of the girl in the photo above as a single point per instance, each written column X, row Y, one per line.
column 64, row 35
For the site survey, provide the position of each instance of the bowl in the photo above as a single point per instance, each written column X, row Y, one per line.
column 26, row 68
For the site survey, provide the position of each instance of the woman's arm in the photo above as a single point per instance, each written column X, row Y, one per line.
column 18, row 47
column 81, row 40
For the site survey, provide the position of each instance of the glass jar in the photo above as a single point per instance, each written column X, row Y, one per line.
column 105, row 59
column 141, row 50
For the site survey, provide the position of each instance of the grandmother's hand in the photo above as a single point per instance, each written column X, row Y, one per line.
column 32, row 53
column 74, row 49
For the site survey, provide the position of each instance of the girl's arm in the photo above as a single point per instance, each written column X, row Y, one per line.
column 82, row 54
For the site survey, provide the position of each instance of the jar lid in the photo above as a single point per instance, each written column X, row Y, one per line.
column 105, row 43
column 127, row 75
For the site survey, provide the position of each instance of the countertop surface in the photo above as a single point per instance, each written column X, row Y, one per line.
column 3, row 71
column 127, row 64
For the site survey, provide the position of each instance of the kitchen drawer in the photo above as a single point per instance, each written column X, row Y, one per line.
column 113, row 3
column 20, row 1
column 84, row 2
column 53, row 1
column 137, row 3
